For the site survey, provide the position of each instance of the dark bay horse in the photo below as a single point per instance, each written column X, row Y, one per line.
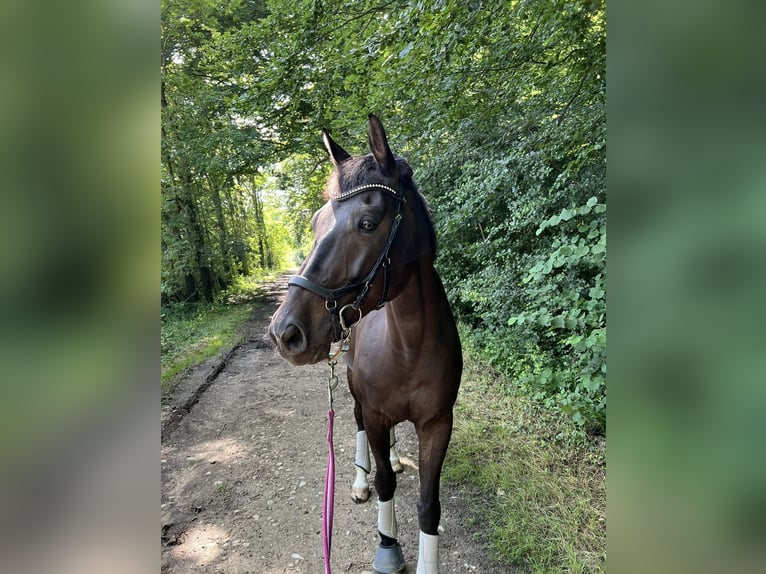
column 370, row 277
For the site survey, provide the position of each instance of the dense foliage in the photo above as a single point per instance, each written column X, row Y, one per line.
column 213, row 223
column 500, row 108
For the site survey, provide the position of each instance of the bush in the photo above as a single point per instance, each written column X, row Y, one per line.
column 563, row 322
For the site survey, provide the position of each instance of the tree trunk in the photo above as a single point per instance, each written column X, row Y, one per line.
column 204, row 276
column 199, row 280
column 223, row 235
column 260, row 226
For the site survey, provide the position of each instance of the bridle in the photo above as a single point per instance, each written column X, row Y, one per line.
column 383, row 262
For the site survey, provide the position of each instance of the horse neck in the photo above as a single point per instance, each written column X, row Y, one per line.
column 417, row 311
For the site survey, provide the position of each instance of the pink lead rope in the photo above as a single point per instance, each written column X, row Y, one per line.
column 329, row 477
column 329, row 495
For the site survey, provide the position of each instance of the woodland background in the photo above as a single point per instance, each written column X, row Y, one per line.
column 500, row 109
column 79, row 234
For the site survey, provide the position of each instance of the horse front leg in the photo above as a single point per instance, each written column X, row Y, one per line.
column 388, row 558
column 433, row 438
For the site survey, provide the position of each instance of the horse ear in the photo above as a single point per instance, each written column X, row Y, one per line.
column 337, row 153
column 376, row 136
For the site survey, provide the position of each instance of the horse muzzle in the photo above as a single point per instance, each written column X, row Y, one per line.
column 293, row 340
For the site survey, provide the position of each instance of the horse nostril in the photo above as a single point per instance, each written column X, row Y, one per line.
column 293, row 339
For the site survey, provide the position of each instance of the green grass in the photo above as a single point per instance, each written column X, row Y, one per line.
column 192, row 333
column 542, row 500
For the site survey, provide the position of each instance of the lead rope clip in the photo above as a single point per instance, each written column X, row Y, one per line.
column 332, row 382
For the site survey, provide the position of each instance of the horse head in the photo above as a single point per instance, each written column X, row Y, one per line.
column 365, row 235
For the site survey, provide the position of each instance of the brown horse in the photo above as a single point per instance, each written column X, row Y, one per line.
column 370, row 277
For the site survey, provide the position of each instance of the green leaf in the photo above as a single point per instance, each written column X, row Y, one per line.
column 596, row 293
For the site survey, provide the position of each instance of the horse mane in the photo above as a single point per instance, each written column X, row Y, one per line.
column 355, row 171
column 420, row 202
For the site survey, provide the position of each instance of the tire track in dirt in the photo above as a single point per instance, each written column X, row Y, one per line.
column 243, row 462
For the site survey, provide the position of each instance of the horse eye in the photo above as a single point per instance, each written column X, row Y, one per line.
column 367, row 225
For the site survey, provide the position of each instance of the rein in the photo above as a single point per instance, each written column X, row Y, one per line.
column 331, row 296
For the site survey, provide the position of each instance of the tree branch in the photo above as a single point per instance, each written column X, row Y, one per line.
column 574, row 96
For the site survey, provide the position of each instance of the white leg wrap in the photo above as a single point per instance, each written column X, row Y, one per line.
column 428, row 554
column 393, row 456
column 362, row 459
column 360, row 482
column 387, row 518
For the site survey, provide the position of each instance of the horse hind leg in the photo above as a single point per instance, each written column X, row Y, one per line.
column 393, row 456
column 360, row 490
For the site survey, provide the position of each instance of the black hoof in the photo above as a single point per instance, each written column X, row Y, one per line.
column 388, row 559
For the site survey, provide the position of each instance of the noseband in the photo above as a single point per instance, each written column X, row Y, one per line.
column 383, row 261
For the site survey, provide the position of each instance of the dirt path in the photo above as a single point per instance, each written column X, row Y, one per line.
column 243, row 463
